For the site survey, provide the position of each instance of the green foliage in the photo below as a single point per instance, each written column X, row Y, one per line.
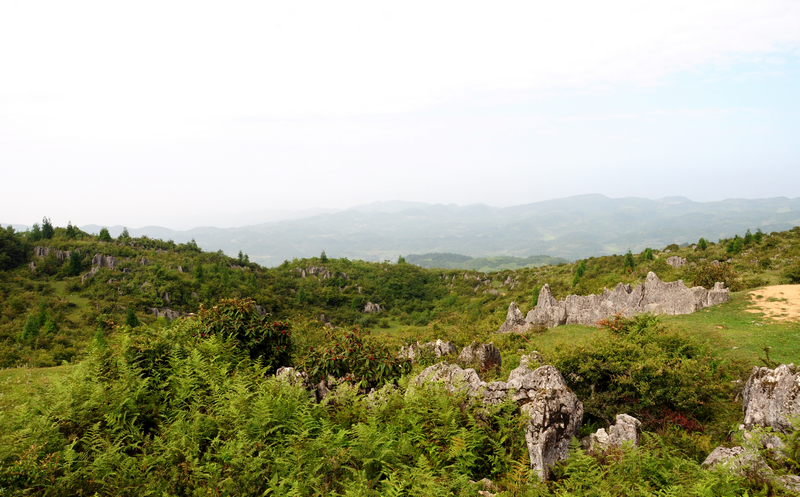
column 323, row 257
column 449, row 260
column 75, row 263
column 71, row 231
column 352, row 356
column 266, row 341
column 104, row 236
column 640, row 368
column 647, row 255
column 12, row 249
column 47, row 229
column 748, row 238
column 792, row 274
column 31, row 328
column 130, row 319
column 708, row 274
column 400, row 259
column 759, row 236
column 735, row 246
column 535, row 296
column 628, row 263
column 125, row 235
column 702, row 244
column 35, row 234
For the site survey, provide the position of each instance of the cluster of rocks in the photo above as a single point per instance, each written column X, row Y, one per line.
column 770, row 401
column 481, row 355
column 45, row 251
column 370, row 308
column 166, row 312
column 554, row 413
column 655, row 296
column 676, row 261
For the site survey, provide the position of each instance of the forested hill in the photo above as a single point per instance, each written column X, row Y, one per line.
column 484, row 264
column 61, row 286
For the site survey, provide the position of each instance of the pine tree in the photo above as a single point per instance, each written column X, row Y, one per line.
column 104, row 236
column 125, row 234
column 75, row 264
column 323, row 256
column 629, row 262
column 702, row 244
column 35, row 234
column 72, row 232
column 241, row 258
column 31, row 328
column 131, row 319
column 47, row 229
column 758, row 236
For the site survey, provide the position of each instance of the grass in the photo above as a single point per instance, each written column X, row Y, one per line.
column 18, row 385
column 81, row 303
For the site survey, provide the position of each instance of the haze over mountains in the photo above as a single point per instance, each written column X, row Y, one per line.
column 572, row 227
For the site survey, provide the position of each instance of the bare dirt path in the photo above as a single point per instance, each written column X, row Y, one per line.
column 779, row 302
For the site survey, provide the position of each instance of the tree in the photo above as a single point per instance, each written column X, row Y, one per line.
column 323, row 256
column 47, row 229
column 31, row 328
column 105, row 236
column 199, row 273
column 629, row 262
column 748, row 237
column 758, row 236
column 35, row 234
column 647, row 255
column 125, row 234
column 241, row 258
column 12, row 249
column 72, row 232
column 131, row 319
column 75, row 263
column 401, row 259
column 702, row 244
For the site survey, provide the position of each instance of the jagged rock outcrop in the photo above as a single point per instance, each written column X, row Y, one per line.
column 416, row 351
column 625, row 429
column 91, row 273
column 166, row 312
column 554, row 417
column 43, row 252
column 484, row 355
column 769, row 396
column 292, row 376
column 32, row 266
column 320, row 271
column 654, row 296
column 104, row 261
column 676, row 261
column 370, row 307
column 454, row 378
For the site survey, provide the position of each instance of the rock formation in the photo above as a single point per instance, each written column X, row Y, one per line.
column 676, row 261
column 654, row 296
column 45, row 251
column 485, row 356
column 626, row 429
column 438, row 349
column 370, row 307
column 104, row 261
column 453, row 377
column 770, row 396
column 166, row 313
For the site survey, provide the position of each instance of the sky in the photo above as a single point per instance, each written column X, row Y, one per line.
column 183, row 114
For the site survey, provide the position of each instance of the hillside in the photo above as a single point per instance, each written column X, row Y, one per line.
column 571, row 228
column 192, row 398
column 482, row 264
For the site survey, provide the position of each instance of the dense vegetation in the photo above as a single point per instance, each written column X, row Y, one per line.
column 483, row 264
column 145, row 405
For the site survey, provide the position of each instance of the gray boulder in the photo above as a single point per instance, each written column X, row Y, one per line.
column 770, row 396
column 515, row 320
column 548, row 311
column 626, row 429
column 676, row 261
column 454, row 378
column 370, row 308
column 437, row 349
column 485, row 356
column 91, row 273
column 104, row 261
column 166, row 313
column 554, row 417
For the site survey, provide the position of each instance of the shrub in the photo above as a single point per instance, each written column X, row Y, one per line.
column 792, row 274
column 352, row 356
column 639, row 368
column 267, row 341
column 708, row 274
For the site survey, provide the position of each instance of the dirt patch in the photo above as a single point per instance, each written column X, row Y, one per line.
column 779, row 302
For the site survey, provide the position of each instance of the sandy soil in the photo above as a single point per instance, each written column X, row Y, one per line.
column 779, row 302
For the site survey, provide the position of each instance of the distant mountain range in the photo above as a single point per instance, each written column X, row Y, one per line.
column 572, row 228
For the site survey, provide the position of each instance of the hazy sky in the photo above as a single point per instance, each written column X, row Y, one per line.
column 140, row 113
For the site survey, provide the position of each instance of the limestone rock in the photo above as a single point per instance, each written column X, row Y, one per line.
column 625, row 429
column 88, row 275
column 32, row 266
column 166, row 313
column 485, row 356
column 654, row 296
column 437, row 349
column 104, row 261
column 292, row 376
column 554, row 417
column 515, row 321
column 370, row 307
column 453, row 377
column 676, row 261
column 769, row 396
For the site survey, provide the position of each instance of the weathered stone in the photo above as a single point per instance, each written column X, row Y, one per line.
column 437, row 349
column 370, row 307
column 485, row 356
column 626, row 429
column 261, row 311
column 292, row 376
column 32, row 266
column 453, row 377
column 104, row 261
column 770, row 396
column 654, row 296
column 91, row 273
column 554, row 417
column 166, row 313
column 676, row 261
column 515, row 321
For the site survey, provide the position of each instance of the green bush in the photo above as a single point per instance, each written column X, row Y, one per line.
column 639, row 368
column 708, row 274
column 350, row 355
column 267, row 341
